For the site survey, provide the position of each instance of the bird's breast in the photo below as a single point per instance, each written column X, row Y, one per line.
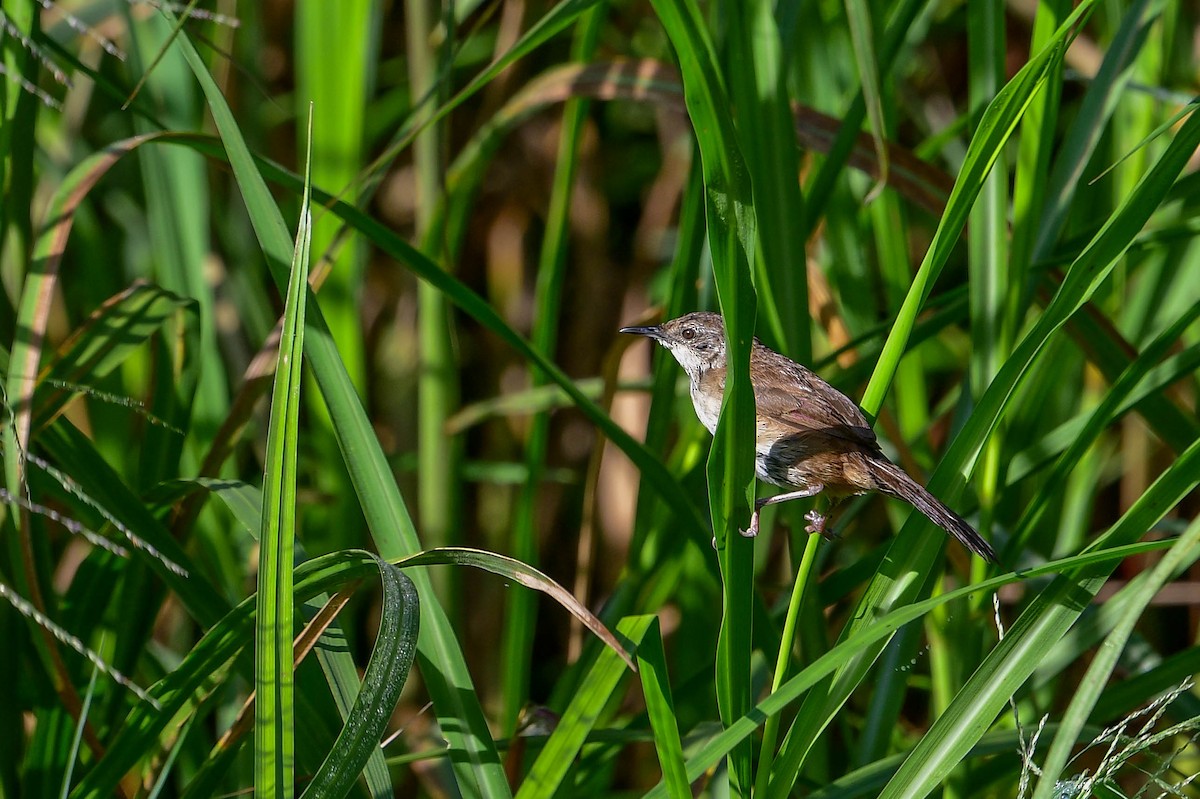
column 707, row 403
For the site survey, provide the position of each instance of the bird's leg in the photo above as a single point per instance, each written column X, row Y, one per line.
column 808, row 491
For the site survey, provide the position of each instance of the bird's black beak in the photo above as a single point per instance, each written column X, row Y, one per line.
column 653, row 331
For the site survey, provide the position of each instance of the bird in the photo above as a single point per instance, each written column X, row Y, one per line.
column 809, row 436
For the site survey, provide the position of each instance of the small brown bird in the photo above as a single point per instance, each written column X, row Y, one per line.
column 810, row 436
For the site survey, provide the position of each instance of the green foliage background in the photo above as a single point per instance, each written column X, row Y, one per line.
column 978, row 219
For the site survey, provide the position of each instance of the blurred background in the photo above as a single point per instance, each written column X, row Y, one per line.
column 543, row 156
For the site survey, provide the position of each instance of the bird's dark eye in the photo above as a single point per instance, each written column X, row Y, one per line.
column 689, row 333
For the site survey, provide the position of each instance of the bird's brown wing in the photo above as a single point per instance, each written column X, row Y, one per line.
column 798, row 397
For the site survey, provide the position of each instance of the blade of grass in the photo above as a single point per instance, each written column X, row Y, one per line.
column 1098, row 105
column 1179, row 556
column 438, row 455
column 1047, row 619
column 717, row 747
column 997, row 124
column 388, row 669
column 733, row 240
column 656, row 688
column 550, row 774
column 274, row 730
column 443, row 666
column 204, row 670
column 913, row 556
column 862, row 35
column 758, row 88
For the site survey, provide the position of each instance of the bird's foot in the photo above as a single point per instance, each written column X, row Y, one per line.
column 753, row 530
column 816, row 524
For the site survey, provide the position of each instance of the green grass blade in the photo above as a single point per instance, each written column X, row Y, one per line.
column 551, row 772
column 862, row 36
column 995, row 127
column 656, row 688
column 1097, row 108
column 338, row 102
column 758, row 87
column 882, row 627
column 914, row 555
column 1046, row 619
column 521, row 615
column 479, row 771
column 1183, row 553
column 120, row 327
column 391, row 661
column 733, row 240
column 204, row 670
column 274, row 728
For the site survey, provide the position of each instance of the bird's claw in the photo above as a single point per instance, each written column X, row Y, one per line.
column 816, row 524
column 752, row 532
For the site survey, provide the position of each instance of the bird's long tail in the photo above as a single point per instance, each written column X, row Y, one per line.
column 895, row 482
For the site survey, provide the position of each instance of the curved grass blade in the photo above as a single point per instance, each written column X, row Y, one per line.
column 205, row 668
column 122, row 324
column 1046, row 620
column 524, row 574
column 521, row 614
column 997, row 124
column 1181, row 554
column 479, row 771
column 391, row 661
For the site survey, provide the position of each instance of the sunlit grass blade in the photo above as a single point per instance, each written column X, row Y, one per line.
column 757, row 67
column 900, row 580
column 915, row 547
column 733, row 241
column 996, row 125
column 880, row 628
column 656, row 688
column 550, row 774
column 526, row 575
column 274, row 747
column 1183, row 553
column 443, row 666
column 1023, row 647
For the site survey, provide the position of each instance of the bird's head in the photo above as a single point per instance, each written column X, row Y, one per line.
column 697, row 340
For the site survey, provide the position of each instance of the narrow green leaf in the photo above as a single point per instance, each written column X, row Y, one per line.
column 443, row 667
column 120, row 326
column 708, row 755
column 733, row 241
column 204, row 670
column 1182, row 554
column 1046, row 620
column 656, row 688
column 274, row 728
column 550, row 774
column 391, row 661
